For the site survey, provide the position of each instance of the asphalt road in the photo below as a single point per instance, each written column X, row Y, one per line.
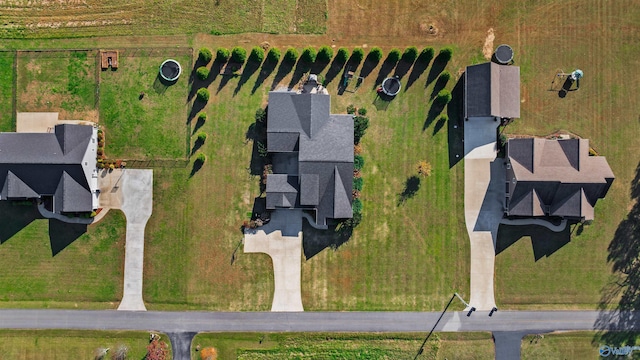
column 179, row 322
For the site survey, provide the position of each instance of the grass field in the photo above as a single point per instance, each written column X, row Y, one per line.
column 71, row 344
column 58, row 81
column 41, row 19
column 568, row 345
column 52, row 264
column 344, row 346
column 7, row 77
column 153, row 127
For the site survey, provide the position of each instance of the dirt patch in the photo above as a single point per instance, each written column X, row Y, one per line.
column 487, row 49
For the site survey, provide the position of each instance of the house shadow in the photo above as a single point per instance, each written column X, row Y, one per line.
column 257, row 134
column 283, row 70
column 15, row 218
column 455, row 133
column 334, row 69
column 623, row 291
column 421, row 64
column 338, row 233
column 439, row 63
column 63, row 234
column 411, row 187
column 544, row 242
column 387, row 66
column 267, row 69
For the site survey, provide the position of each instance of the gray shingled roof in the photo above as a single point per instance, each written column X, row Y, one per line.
column 492, row 90
column 555, row 177
column 302, row 123
column 33, row 165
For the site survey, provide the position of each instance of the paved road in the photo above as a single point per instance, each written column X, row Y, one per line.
column 177, row 322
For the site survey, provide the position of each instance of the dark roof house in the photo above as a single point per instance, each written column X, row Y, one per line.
column 58, row 166
column 554, row 178
column 312, row 152
column 492, row 90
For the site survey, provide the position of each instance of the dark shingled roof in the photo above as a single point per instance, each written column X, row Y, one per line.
column 301, row 122
column 33, row 165
column 555, row 178
column 492, row 90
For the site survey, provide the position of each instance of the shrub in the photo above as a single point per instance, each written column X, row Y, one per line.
column 445, row 54
column 357, row 149
column 202, row 116
column 201, row 158
column 357, row 183
column 362, row 111
column 257, row 54
column 357, row 55
column 360, row 126
column 426, row 55
column 424, row 168
column 222, row 54
column 443, row 118
column 205, row 55
column 394, row 56
column 202, row 137
column 444, row 78
column 351, row 109
column 308, row 55
column 342, row 55
column 273, row 56
column 261, row 115
column 238, row 55
column 358, row 162
column 325, row 55
column 357, row 207
column 291, row 56
column 202, row 72
column 375, row 55
column 203, row 95
column 410, row 54
column 443, row 97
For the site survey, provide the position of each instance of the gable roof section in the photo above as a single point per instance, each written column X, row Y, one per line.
column 492, row 90
column 341, row 200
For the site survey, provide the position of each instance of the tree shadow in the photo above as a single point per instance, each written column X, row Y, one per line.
column 197, row 106
column 624, row 288
column 196, row 146
column 435, row 110
column 161, row 85
column 543, row 241
column 439, row 125
column 249, row 69
column 267, row 68
column 334, row 69
column 439, row 63
column 387, row 66
column 318, row 66
column 411, row 187
column 455, row 135
column 197, row 83
column 439, row 85
column 283, row 70
column 402, row 68
column 15, row 218
column 199, row 123
column 228, row 72
column 301, row 68
column 62, row 234
column 382, row 101
column 197, row 165
column 338, row 233
column 369, row 64
column 421, row 64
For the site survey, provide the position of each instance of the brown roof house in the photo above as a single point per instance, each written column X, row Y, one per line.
column 58, row 168
column 492, row 90
column 555, row 178
column 312, row 152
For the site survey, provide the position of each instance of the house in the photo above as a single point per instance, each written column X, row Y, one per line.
column 492, row 90
column 312, row 154
column 58, row 168
column 554, row 178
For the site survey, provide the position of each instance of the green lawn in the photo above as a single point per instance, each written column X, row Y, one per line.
column 344, row 346
column 153, row 127
column 52, row 264
column 7, row 77
column 71, row 344
column 571, row 345
column 58, row 81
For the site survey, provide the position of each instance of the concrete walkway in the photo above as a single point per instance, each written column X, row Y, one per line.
column 281, row 239
column 548, row 225
column 483, row 206
column 132, row 192
column 42, row 122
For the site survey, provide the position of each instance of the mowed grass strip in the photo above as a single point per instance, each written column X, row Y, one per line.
column 567, row 345
column 277, row 17
column 58, row 81
column 311, row 16
column 72, row 344
column 144, row 118
column 49, row 261
column 7, row 78
column 344, row 345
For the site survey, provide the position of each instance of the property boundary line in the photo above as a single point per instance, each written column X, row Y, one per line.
column 14, row 93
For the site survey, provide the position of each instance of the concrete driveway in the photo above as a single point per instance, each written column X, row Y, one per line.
column 281, row 239
column 132, row 192
column 483, row 206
